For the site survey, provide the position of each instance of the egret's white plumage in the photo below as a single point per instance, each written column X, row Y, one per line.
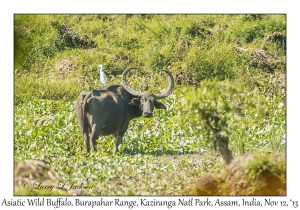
column 102, row 76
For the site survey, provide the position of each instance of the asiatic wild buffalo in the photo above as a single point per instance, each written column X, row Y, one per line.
column 108, row 112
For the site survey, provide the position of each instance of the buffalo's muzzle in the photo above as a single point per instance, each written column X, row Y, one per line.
column 147, row 114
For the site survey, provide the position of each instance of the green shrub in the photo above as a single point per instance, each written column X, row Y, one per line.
column 250, row 119
column 35, row 41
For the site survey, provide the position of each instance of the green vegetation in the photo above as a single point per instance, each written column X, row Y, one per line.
column 19, row 191
column 56, row 48
column 226, row 67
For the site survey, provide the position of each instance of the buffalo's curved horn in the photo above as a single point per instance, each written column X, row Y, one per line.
column 164, row 93
column 127, row 87
column 169, row 89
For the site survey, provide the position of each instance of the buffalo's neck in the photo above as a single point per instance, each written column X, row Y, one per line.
column 137, row 111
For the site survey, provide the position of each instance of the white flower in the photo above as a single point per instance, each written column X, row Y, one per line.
column 182, row 143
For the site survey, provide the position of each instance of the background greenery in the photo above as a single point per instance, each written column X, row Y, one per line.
column 230, row 66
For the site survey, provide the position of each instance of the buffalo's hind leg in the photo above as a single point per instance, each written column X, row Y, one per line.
column 96, row 120
column 95, row 135
column 83, row 123
column 86, row 139
column 85, row 134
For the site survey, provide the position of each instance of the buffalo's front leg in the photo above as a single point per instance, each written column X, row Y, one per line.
column 118, row 141
column 118, row 136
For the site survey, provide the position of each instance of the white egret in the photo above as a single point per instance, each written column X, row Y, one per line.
column 102, row 76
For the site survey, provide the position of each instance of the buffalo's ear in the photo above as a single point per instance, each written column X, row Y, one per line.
column 159, row 105
column 135, row 102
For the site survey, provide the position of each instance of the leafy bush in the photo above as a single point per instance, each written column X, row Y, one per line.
column 35, row 42
column 250, row 119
